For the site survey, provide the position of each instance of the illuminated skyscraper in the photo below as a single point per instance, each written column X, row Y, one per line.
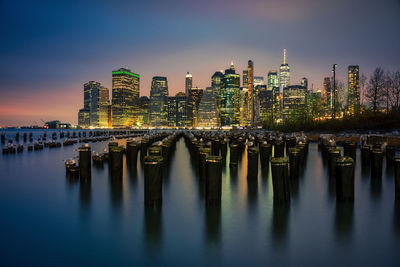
column 195, row 95
column 304, row 82
column 272, row 79
column 284, row 73
column 208, row 115
column 250, row 91
column 266, row 103
column 327, row 93
column 144, row 104
column 216, row 85
column 125, row 97
column 353, row 93
column 244, row 106
column 177, row 116
column 294, row 101
column 230, row 97
column 188, row 83
column 245, row 82
column 95, row 110
column 258, row 80
column 158, row 108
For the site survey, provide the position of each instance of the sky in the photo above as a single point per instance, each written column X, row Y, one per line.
column 49, row 49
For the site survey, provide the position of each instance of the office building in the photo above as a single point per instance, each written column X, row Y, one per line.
column 272, row 80
column 195, row 95
column 284, row 73
column 125, row 97
column 208, row 114
column 158, row 108
column 177, row 112
column 188, row 83
column 95, row 107
column 230, row 97
column 294, row 102
column 353, row 92
column 304, row 82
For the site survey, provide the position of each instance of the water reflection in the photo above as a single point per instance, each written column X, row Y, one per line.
column 252, row 194
column 396, row 217
column 233, row 173
column 153, row 228
column 344, row 220
column 376, row 188
column 213, row 226
column 280, row 216
column 85, row 193
column 116, row 185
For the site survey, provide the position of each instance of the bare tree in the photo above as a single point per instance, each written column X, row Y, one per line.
column 394, row 90
column 375, row 89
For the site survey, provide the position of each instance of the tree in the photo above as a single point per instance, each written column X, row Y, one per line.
column 394, row 90
column 363, row 82
column 375, row 87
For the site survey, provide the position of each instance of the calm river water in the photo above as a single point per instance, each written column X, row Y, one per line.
column 47, row 220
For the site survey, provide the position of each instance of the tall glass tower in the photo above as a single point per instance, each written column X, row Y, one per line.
column 188, row 83
column 159, row 102
column 230, row 97
column 272, row 79
column 95, row 108
column 353, row 93
column 125, row 97
column 284, row 73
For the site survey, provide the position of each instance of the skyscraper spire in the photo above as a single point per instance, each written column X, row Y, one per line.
column 284, row 56
column 232, row 65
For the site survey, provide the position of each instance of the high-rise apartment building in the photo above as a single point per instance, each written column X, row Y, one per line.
column 125, row 97
column 353, row 92
column 158, row 108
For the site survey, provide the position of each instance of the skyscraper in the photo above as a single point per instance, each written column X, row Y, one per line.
column 230, row 97
column 272, row 79
column 95, row 107
column 294, row 101
column 158, row 108
column 216, row 85
column 188, row 83
column 304, row 82
column 208, row 115
column 250, row 91
column 258, row 80
column 125, row 97
column 144, row 104
column 284, row 73
column 195, row 95
column 353, row 93
column 244, row 79
column 327, row 93
column 177, row 116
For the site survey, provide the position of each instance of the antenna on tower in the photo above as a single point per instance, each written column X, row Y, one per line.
column 284, row 56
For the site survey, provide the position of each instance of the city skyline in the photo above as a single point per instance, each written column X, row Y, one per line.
column 59, row 49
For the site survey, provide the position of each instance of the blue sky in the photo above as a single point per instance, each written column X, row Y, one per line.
column 48, row 49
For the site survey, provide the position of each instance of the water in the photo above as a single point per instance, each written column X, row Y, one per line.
column 48, row 220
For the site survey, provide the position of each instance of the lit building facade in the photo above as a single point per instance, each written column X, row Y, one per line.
column 284, row 73
column 143, row 116
column 230, row 97
column 250, row 91
column 188, row 83
column 353, row 92
column 95, row 107
column 304, row 82
column 326, row 92
column 245, row 75
column 272, row 80
column 208, row 114
column 294, row 101
column 158, row 108
column 195, row 95
column 125, row 97
column 177, row 116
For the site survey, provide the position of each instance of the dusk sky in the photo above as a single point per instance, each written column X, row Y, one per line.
column 49, row 49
